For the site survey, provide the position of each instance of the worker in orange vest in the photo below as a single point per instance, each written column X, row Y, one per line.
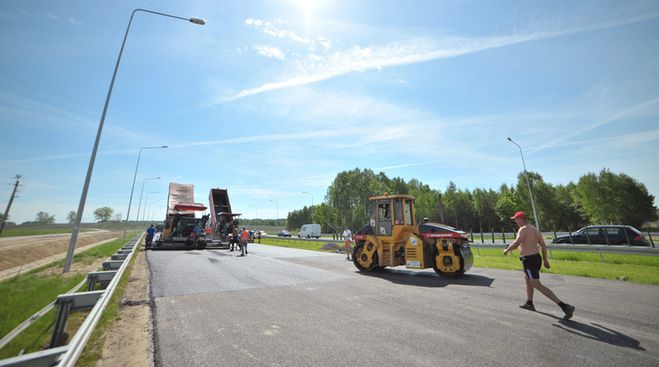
column 244, row 238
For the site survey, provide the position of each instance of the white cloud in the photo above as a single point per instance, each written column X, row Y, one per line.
column 269, row 28
column 376, row 57
column 270, row 52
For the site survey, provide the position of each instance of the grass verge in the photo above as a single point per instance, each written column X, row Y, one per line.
column 94, row 349
column 294, row 243
column 22, row 296
column 635, row 268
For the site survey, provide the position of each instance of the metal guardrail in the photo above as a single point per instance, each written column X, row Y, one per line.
column 66, row 356
column 611, row 249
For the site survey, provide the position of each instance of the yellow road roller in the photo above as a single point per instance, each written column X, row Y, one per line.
column 393, row 238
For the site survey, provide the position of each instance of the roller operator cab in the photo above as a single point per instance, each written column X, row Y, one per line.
column 392, row 238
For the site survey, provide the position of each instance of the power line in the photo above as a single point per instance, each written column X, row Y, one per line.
column 11, row 200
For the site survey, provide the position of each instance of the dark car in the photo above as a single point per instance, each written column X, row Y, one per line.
column 605, row 235
column 283, row 233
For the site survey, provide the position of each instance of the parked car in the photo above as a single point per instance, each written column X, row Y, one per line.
column 603, row 235
column 283, row 233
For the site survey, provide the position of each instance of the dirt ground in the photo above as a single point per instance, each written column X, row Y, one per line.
column 19, row 251
column 128, row 340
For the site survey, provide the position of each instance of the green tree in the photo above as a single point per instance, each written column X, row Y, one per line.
column 485, row 207
column 44, row 218
column 103, row 214
column 71, row 217
column 614, row 198
column 459, row 210
column 506, row 206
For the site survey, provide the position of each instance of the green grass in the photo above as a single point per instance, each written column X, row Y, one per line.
column 26, row 294
column 294, row 243
column 636, row 268
column 94, row 347
column 19, row 231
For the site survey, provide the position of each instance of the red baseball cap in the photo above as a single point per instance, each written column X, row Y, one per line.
column 518, row 215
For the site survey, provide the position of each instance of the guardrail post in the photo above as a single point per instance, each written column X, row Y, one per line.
column 63, row 310
column 570, row 234
column 471, row 232
column 624, row 229
column 588, row 238
column 606, row 236
column 650, row 237
column 91, row 281
column 492, row 235
column 482, row 237
column 503, row 233
column 555, row 237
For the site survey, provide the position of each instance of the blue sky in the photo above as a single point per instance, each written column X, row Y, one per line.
column 272, row 98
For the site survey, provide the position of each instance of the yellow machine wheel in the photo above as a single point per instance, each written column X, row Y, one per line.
column 361, row 258
column 437, row 258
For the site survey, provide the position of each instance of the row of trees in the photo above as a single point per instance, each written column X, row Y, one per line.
column 606, row 197
column 103, row 214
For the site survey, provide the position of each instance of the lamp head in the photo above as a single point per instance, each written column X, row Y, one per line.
column 198, row 21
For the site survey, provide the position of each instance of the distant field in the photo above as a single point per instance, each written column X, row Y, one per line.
column 635, row 268
column 14, row 232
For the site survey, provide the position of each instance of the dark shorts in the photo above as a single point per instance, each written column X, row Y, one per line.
column 532, row 264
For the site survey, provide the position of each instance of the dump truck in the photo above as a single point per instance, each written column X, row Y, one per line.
column 222, row 219
column 182, row 228
column 393, row 238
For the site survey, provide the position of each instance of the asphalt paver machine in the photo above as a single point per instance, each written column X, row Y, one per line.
column 393, row 238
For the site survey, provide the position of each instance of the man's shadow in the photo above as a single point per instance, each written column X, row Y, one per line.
column 596, row 332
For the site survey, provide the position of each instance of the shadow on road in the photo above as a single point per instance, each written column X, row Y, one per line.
column 408, row 277
column 596, row 332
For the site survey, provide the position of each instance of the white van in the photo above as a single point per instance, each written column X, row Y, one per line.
column 309, row 231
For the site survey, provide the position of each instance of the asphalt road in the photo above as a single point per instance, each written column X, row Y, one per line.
column 286, row 307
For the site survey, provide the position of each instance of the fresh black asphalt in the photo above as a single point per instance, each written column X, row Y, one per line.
column 287, row 307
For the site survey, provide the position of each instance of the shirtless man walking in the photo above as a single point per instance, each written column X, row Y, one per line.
column 528, row 238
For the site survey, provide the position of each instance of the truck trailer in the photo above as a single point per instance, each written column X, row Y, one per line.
column 222, row 219
column 182, row 228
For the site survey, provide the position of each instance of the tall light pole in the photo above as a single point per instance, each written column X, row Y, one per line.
column 145, row 201
column 276, row 203
column 528, row 184
column 139, row 205
column 150, row 206
column 90, row 168
column 308, row 193
column 152, row 209
column 130, row 201
column 256, row 215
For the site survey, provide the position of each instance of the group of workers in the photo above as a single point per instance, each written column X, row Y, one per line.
column 239, row 239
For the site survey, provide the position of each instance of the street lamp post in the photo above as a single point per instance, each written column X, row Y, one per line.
column 139, row 204
column 150, row 207
column 90, row 168
column 308, row 193
column 145, row 201
column 528, row 184
column 130, row 201
column 151, row 211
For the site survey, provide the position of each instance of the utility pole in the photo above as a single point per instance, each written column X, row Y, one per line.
column 11, row 200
